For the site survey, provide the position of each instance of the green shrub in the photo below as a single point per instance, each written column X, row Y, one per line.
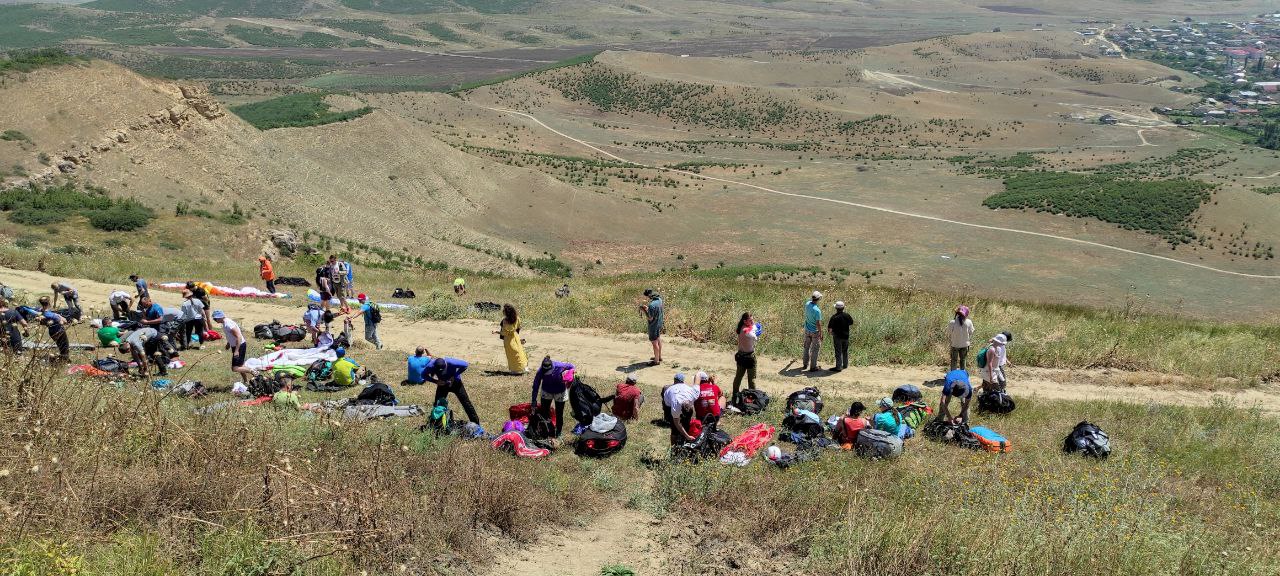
column 33, row 216
column 294, row 111
column 438, row 306
column 28, row 60
column 123, row 216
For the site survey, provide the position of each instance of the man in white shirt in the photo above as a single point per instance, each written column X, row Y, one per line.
column 120, row 302
column 677, row 408
column 235, row 343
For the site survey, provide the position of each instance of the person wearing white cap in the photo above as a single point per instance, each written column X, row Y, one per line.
column 812, row 333
column 677, row 407
column 996, row 359
column 235, row 343
column 839, row 326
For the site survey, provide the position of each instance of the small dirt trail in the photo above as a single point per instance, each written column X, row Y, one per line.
column 604, row 355
column 617, row 536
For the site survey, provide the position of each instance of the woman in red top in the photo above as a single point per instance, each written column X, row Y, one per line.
column 628, row 399
column 708, row 405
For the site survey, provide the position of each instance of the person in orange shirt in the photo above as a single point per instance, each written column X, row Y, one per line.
column 268, row 274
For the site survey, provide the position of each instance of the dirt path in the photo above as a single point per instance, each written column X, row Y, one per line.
column 604, row 355
column 617, row 536
column 890, row 210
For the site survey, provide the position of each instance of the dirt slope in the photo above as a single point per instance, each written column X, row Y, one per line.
column 600, row 355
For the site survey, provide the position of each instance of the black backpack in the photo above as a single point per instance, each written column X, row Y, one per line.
column 110, row 364
column 996, row 402
column 707, row 446
column 809, row 394
column 282, row 334
column 594, row 444
column 264, row 331
column 375, row 313
column 812, row 430
column 1089, row 440
column 377, row 393
column 950, row 433
column 263, row 385
column 319, row 371
column 907, row 393
column 751, row 401
column 584, row 401
column 540, row 427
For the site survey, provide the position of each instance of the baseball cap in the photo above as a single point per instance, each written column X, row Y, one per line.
column 361, row 297
column 702, row 377
column 631, row 378
column 340, row 351
column 839, row 304
column 1000, row 339
column 817, row 295
column 218, row 315
column 886, row 402
column 680, row 378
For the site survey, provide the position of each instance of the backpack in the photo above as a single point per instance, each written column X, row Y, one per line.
column 375, row 313
column 806, row 399
column 907, row 393
column 990, row 440
column 281, row 333
column 871, row 443
column 803, row 426
column 585, row 402
column 319, row 371
column 376, row 393
column 110, row 364
column 1089, row 440
column 751, row 401
column 996, row 402
column 541, row 427
column 950, row 433
column 982, row 357
column 264, row 331
column 594, row 444
column 6, row 292
column 842, row 433
column 262, row 385
column 440, row 418
column 914, row 414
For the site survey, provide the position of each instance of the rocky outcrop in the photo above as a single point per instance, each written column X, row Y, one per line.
column 204, row 104
column 286, row 241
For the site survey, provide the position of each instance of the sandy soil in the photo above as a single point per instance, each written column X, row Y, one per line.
column 601, row 355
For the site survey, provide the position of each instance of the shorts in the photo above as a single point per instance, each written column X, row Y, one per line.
column 325, row 296
column 655, row 332
column 237, row 356
column 340, row 292
column 556, row 397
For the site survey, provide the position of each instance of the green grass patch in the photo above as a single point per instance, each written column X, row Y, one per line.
column 440, row 31
column 221, row 8
column 40, row 206
column 270, row 37
column 401, row 6
column 1160, row 207
column 354, row 82
column 1267, row 190
column 373, row 29
column 294, row 111
column 29, row 60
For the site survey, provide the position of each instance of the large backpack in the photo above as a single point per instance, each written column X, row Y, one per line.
column 585, row 402
column 377, row 393
column 951, row 433
column 803, row 426
column 541, row 427
column 289, row 333
column 907, row 393
column 110, row 364
column 982, row 357
column 594, row 444
column 807, row 398
column 440, row 419
column 375, row 313
column 751, row 401
column 996, row 402
column 1089, row 440
column 842, row 433
column 319, row 371
column 264, row 331
column 872, row 443
column 263, row 385
column 914, row 414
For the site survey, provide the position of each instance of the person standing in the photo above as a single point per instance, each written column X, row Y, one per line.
column 57, row 327
column 512, row 343
column 144, row 291
column 551, row 385
column 192, row 321
column 236, row 343
column 997, row 357
column 748, row 334
column 267, row 272
column 446, row 374
column 655, row 316
column 11, row 320
column 338, row 282
column 960, row 335
column 372, row 314
column 839, row 326
column 812, row 333
column 324, row 274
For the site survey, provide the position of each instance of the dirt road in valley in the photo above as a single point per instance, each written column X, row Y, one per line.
column 606, row 356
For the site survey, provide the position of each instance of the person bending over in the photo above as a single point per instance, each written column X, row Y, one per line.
column 551, row 384
column 956, row 385
column 678, row 408
column 446, row 374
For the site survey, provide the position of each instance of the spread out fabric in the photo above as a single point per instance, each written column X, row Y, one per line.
column 290, row 357
column 750, row 441
column 246, row 292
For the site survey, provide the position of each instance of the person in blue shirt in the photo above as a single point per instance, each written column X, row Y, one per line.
column 956, row 385
column 551, row 385
column 152, row 313
column 446, row 374
column 812, row 333
column 143, row 291
column 57, row 327
column 655, row 316
column 417, row 365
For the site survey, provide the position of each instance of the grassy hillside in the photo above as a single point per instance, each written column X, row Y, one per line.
column 1185, row 491
column 222, row 8
column 294, row 111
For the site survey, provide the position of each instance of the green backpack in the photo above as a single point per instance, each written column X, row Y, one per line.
column 982, row 357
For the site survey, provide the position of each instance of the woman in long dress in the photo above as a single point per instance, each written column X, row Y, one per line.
column 509, row 329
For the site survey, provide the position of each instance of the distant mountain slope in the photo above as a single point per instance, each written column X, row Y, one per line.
column 224, row 8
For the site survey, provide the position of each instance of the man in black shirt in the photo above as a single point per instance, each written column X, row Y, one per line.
column 839, row 326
